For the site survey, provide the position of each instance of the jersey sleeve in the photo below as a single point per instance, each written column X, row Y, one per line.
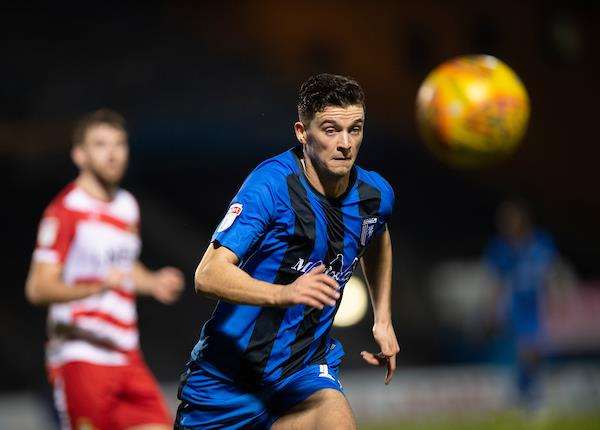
column 135, row 215
column 249, row 215
column 495, row 258
column 386, row 207
column 549, row 246
column 55, row 234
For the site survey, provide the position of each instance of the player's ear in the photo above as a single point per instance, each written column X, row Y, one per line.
column 78, row 156
column 300, row 130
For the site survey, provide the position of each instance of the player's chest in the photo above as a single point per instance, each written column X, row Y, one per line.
column 98, row 244
column 326, row 233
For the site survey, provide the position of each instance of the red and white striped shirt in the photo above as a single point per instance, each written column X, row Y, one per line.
column 89, row 237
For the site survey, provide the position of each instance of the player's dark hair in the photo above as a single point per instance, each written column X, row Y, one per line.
column 97, row 117
column 324, row 89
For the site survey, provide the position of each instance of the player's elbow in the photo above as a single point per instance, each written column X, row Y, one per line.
column 32, row 293
column 202, row 280
column 212, row 274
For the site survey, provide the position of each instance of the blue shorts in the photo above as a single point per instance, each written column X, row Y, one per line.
column 210, row 401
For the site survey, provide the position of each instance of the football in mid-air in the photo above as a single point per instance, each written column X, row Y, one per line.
column 472, row 111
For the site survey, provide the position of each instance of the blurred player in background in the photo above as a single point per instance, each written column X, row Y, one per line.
column 278, row 263
column 522, row 257
column 85, row 267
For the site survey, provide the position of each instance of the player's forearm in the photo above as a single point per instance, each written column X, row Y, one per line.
column 377, row 267
column 143, row 278
column 225, row 281
column 41, row 294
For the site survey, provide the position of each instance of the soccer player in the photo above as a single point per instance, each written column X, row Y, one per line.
column 278, row 263
column 522, row 258
column 86, row 268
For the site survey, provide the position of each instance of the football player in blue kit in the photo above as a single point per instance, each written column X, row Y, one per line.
column 522, row 257
column 278, row 263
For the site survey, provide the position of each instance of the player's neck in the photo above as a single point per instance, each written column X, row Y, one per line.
column 328, row 185
column 96, row 188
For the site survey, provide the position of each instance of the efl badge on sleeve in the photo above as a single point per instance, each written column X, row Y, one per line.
column 368, row 228
column 234, row 211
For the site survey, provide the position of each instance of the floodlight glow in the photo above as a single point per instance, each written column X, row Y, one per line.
column 354, row 303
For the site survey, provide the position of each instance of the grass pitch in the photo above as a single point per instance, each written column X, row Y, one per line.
column 508, row 421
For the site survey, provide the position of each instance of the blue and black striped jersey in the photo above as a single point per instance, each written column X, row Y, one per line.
column 280, row 227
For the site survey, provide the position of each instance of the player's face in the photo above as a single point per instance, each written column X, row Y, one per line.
column 105, row 153
column 334, row 137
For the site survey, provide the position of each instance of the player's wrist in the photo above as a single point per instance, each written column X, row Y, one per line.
column 278, row 296
column 152, row 285
column 94, row 288
column 383, row 319
column 150, row 288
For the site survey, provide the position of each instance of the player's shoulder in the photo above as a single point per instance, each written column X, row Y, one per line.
column 59, row 205
column 542, row 235
column 499, row 251
column 73, row 200
column 496, row 245
column 543, row 239
column 281, row 165
column 125, row 206
column 376, row 180
column 273, row 172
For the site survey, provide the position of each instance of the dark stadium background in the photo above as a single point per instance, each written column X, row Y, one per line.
column 209, row 91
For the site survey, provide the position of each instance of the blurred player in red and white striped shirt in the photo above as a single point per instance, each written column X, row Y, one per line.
column 86, row 268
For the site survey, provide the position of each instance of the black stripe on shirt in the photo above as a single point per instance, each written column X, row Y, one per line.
column 334, row 261
column 269, row 320
column 368, row 207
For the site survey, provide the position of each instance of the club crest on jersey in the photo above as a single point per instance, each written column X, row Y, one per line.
column 232, row 213
column 367, row 230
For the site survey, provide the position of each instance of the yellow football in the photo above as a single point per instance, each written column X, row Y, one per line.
column 472, row 111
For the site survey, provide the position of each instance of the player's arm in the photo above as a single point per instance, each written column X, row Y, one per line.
column 377, row 267
column 45, row 285
column 250, row 216
column 495, row 315
column 165, row 284
column 219, row 276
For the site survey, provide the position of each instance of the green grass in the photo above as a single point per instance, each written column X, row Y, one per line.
column 507, row 421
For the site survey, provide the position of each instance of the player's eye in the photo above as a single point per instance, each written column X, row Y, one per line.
column 355, row 130
column 330, row 131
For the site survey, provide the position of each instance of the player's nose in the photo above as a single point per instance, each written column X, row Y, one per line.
column 345, row 143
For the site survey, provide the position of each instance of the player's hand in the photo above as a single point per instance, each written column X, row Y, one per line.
column 114, row 279
column 168, row 285
column 314, row 288
column 386, row 339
